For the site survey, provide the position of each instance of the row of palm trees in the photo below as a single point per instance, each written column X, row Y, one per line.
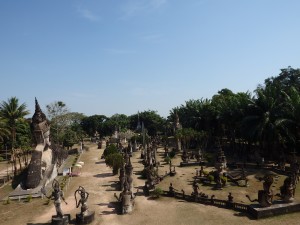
column 268, row 120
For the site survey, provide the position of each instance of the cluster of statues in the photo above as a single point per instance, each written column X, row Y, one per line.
column 84, row 217
column 126, row 197
column 187, row 156
column 151, row 166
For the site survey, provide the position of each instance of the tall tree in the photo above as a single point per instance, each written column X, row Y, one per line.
column 152, row 121
column 58, row 115
column 93, row 124
column 4, row 130
column 13, row 112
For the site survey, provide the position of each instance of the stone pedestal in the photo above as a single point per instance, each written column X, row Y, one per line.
column 85, row 219
column 56, row 220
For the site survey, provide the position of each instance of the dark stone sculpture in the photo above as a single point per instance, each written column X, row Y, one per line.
column 265, row 196
column 42, row 164
column 287, row 191
column 57, row 195
column 171, row 190
column 85, row 216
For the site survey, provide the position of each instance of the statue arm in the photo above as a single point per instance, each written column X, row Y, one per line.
column 63, row 198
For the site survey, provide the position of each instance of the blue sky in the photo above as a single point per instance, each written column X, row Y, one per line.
column 121, row 56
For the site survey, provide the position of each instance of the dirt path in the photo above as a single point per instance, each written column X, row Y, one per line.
column 97, row 179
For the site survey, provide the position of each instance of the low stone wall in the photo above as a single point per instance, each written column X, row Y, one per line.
column 254, row 210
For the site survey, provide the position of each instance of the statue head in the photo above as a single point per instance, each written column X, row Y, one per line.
column 40, row 127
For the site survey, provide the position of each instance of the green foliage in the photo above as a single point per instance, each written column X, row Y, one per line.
column 70, row 138
column 153, row 122
column 167, row 159
column 210, row 178
column 110, row 149
column 157, row 192
column 114, row 161
column 223, row 179
column 28, row 198
column 1, row 159
column 94, row 123
column 205, row 173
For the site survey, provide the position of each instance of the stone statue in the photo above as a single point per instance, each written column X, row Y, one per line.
column 56, row 195
column 195, row 189
column 42, row 164
column 83, row 199
column 287, row 191
column 230, row 197
column 184, row 156
column 85, row 216
column 221, row 163
column 171, row 190
column 177, row 126
column 122, row 178
column 265, row 196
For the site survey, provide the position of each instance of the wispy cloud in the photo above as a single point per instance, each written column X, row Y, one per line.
column 133, row 7
column 87, row 14
column 115, row 51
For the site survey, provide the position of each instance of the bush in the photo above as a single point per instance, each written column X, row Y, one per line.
column 167, row 159
column 157, row 192
column 205, row 173
column 110, row 149
column 1, row 159
column 223, row 180
column 114, row 161
column 29, row 198
column 210, row 178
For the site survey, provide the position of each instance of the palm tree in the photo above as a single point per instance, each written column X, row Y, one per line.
column 265, row 120
column 4, row 131
column 13, row 112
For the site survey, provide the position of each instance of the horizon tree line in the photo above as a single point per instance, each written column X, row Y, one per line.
column 267, row 119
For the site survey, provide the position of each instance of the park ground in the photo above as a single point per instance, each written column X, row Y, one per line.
column 99, row 181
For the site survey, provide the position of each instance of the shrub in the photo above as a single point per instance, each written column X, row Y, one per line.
column 110, row 149
column 205, row 173
column 223, row 180
column 114, row 161
column 157, row 192
column 167, row 159
column 210, row 178
column 29, row 198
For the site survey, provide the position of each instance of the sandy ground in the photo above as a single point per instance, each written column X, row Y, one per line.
column 97, row 179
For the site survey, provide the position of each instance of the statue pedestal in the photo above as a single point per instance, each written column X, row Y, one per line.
column 56, row 220
column 85, row 219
